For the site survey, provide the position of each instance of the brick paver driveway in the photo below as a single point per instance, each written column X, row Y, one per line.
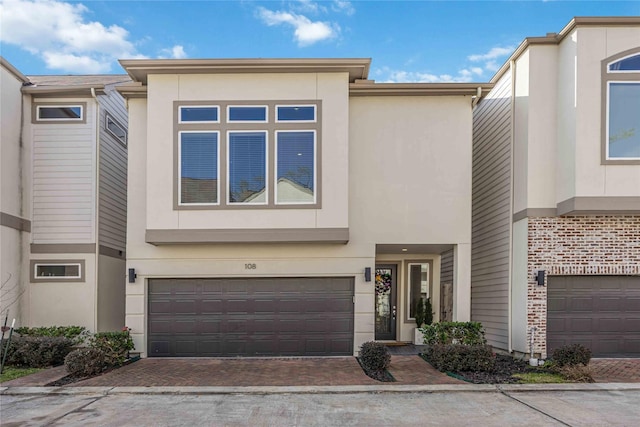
column 615, row 370
column 328, row 371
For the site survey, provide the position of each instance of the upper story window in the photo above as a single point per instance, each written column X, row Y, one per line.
column 621, row 107
column 255, row 154
column 59, row 113
column 198, row 114
column 115, row 129
column 247, row 113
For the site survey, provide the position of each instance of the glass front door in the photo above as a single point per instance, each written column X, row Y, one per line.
column 385, row 314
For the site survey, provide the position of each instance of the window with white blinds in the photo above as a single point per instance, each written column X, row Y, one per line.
column 199, row 177
column 247, row 154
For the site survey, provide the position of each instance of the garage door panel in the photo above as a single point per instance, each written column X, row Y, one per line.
column 251, row 317
column 600, row 312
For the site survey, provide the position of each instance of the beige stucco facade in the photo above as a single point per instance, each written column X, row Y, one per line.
column 387, row 177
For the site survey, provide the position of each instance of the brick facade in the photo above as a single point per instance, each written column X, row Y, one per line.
column 576, row 245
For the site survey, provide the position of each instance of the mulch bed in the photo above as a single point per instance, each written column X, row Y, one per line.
column 382, row 376
column 503, row 372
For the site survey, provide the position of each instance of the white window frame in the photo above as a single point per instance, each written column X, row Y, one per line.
column 181, row 107
column 315, row 113
column 56, row 264
column 60, row 119
column 108, row 118
column 608, row 105
column 266, row 166
column 217, row 132
column 266, row 113
column 315, row 167
column 622, row 59
column 429, row 284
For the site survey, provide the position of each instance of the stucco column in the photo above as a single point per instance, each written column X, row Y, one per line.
column 462, row 282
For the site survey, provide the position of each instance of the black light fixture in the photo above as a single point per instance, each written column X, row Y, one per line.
column 540, row 277
column 132, row 275
column 367, row 274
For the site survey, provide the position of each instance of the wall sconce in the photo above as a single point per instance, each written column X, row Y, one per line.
column 132, row 275
column 367, row 274
column 540, row 277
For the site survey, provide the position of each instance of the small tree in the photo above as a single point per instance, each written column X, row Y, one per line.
column 419, row 311
column 428, row 312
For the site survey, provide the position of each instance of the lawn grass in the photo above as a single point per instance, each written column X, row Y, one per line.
column 539, row 378
column 11, row 373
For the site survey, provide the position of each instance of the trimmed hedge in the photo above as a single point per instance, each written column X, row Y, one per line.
column 77, row 334
column 467, row 333
column 374, row 356
column 571, row 355
column 38, row 352
column 459, row 357
column 85, row 362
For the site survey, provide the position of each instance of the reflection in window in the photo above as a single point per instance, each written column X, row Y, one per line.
column 630, row 63
column 60, row 112
column 418, row 285
column 295, row 167
column 116, row 130
column 247, row 114
column 198, row 114
column 624, row 120
column 198, row 168
column 62, row 271
column 247, row 167
column 295, row 113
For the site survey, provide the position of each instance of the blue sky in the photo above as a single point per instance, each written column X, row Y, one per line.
column 429, row 41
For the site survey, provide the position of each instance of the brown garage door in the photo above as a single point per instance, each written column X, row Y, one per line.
column 251, row 317
column 600, row 312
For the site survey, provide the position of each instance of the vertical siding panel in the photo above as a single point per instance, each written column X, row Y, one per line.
column 64, row 171
column 112, row 222
column 491, row 213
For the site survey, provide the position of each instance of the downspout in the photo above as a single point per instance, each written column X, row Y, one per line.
column 97, row 210
column 512, row 70
column 477, row 98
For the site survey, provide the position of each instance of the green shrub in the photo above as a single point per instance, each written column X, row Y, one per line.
column 77, row 334
column 423, row 311
column 467, row 333
column 374, row 356
column 428, row 312
column 85, row 362
column 38, row 352
column 458, row 357
column 114, row 345
column 571, row 355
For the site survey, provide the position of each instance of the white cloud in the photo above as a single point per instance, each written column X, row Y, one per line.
column 399, row 76
column 494, row 53
column 58, row 33
column 306, row 32
column 175, row 52
column 343, row 6
column 308, row 6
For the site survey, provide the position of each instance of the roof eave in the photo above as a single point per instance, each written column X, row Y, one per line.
column 13, row 70
column 418, row 89
column 139, row 69
column 71, row 90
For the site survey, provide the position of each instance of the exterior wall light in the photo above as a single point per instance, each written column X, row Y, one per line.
column 367, row 274
column 540, row 277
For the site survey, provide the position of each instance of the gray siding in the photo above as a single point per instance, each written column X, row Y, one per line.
column 112, row 187
column 446, row 267
column 64, row 181
column 491, row 213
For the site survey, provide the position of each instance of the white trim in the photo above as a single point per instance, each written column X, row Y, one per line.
column 315, row 113
column 266, row 168
column 266, row 113
column 60, row 119
column 217, row 132
column 315, row 167
column 622, row 59
column 608, row 103
column 180, row 121
column 56, row 264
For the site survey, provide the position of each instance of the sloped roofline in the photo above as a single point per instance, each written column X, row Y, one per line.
column 13, row 70
column 556, row 38
column 139, row 69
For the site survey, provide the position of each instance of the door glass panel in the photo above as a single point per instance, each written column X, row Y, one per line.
column 384, row 321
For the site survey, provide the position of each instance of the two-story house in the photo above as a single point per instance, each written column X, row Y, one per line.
column 63, row 172
column 291, row 206
column 556, row 193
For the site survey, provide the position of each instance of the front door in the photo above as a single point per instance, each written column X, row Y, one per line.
column 385, row 302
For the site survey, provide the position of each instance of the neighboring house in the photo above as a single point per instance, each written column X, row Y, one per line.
column 291, row 206
column 63, row 163
column 556, row 193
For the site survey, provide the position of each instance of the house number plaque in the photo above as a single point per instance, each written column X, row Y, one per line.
column 250, row 266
